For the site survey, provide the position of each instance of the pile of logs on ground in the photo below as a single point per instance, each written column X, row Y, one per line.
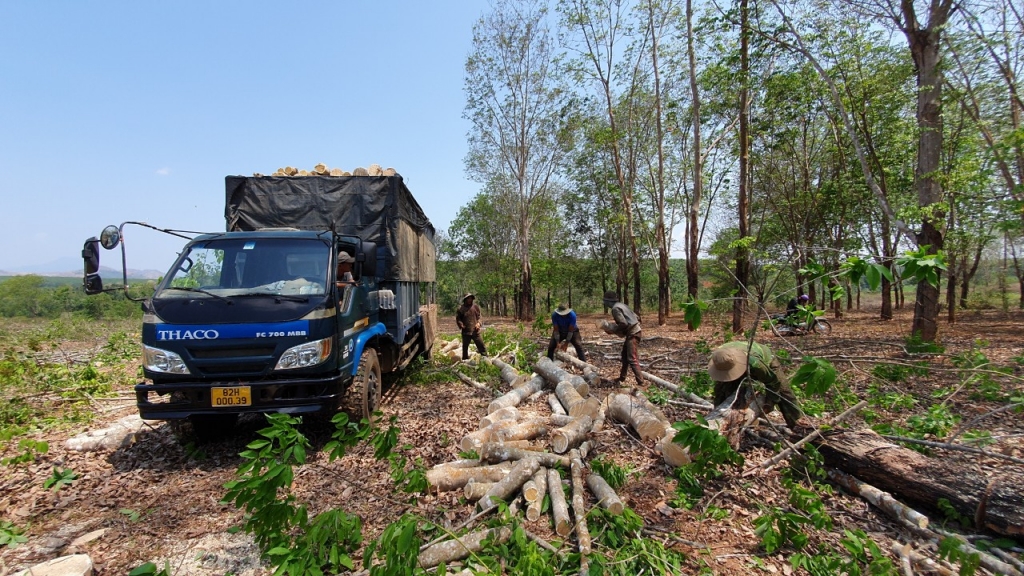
column 322, row 170
column 524, row 455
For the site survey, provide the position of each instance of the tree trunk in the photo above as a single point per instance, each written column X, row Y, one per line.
column 992, row 500
column 739, row 305
column 692, row 227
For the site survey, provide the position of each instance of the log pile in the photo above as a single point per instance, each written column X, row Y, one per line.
column 322, row 170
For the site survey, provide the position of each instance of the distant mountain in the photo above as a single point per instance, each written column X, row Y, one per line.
column 72, row 267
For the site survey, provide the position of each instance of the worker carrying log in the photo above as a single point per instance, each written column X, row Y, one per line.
column 734, row 364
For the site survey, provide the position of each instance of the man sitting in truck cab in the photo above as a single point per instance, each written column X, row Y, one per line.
column 345, row 262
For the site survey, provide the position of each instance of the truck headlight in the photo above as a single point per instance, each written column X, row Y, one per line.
column 304, row 355
column 157, row 360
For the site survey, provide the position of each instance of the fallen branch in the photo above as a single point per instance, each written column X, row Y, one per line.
column 459, row 548
column 606, row 496
column 815, row 434
column 918, row 558
column 882, row 500
column 473, row 383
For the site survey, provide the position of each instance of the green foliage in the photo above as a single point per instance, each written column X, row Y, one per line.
column 708, row 449
column 615, row 475
column 60, row 478
column 889, row 400
column 938, row 421
column 778, row 528
column 949, row 549
column 658, row 396
column 11, row 535
column 151, row 569
column 856, row 269
column 863, row 556
column 398, row 547
column 693, row 312
column 132, row 515
column 898, row 372
column 640, row 556
column 922, row 266
column 293, row 542
column 979, row 374
column 980, row 438
column 951, row 513
column 30, row 449
column 815, row 375
column 915, row 345
column 699, row 383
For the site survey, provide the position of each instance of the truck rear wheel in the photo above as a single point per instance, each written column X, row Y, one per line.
column 366, row 385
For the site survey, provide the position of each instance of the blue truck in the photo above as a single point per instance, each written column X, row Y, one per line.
column 318, row 287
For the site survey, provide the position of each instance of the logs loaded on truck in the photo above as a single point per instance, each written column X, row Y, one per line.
column 319, row 285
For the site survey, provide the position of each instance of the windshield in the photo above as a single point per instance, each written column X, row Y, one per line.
column 225, row 267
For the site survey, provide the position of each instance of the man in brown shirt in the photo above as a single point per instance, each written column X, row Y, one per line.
column 468, row 319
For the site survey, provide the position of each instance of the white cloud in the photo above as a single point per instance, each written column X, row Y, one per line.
column 163, row 172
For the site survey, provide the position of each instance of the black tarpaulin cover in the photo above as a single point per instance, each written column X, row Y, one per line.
column 377, row 209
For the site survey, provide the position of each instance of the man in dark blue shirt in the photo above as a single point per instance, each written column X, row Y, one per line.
column 563, row 320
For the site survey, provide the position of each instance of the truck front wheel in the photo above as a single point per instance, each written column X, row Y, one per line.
column 366, row 385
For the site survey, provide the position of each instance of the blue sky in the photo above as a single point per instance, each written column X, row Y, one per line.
column 116, row 110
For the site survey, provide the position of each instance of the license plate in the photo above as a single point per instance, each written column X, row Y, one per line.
column 230, row 397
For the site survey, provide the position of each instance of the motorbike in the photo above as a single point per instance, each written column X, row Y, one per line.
column 789, row 326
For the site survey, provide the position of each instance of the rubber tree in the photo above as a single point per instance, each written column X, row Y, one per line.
column 513, row 102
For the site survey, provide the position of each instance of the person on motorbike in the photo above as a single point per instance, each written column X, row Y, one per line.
column 792, row 308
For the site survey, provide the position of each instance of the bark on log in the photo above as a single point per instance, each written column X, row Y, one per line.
column 478, row 385
column 570, row 435
column 497, row 452
column 605, row 494
column 474, row 491
column 517, row 476
column 556, row 404
column 531, row 489
column 505, row 430
column 515, row 396
column 449, row 478
column 579, row 510
column 506, row 413
column 649, row 423
column 994, row 500
column 882, row 500
column 509, row 375
column 459, row 548
column 568, row 396
column 463, row 463
column 540, row 483
column 554, row 374
column 590, row 372
column 559, row 509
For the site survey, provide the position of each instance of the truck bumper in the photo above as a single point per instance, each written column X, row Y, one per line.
column 173, row 401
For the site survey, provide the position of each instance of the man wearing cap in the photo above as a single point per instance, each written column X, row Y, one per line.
column 468, row 319
column 734, row 363
column 626, row 324
column 345, row 262
column 563, row 321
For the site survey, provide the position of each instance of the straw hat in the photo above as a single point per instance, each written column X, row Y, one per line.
column 562, row 310
column 467, row 296
column 727, row 364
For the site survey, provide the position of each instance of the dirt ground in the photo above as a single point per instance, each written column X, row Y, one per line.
column 159, row 498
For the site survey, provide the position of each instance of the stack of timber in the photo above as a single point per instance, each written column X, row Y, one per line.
column 322, row 170
column 525, row 454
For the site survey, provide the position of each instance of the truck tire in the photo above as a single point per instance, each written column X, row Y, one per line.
column 366, row 385
column 210, row 427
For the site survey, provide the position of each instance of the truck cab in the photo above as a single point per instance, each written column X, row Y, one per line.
column 266, row 320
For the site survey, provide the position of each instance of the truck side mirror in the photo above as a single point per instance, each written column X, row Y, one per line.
column 91, row 281
column 110, row 237
column 368, row 258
